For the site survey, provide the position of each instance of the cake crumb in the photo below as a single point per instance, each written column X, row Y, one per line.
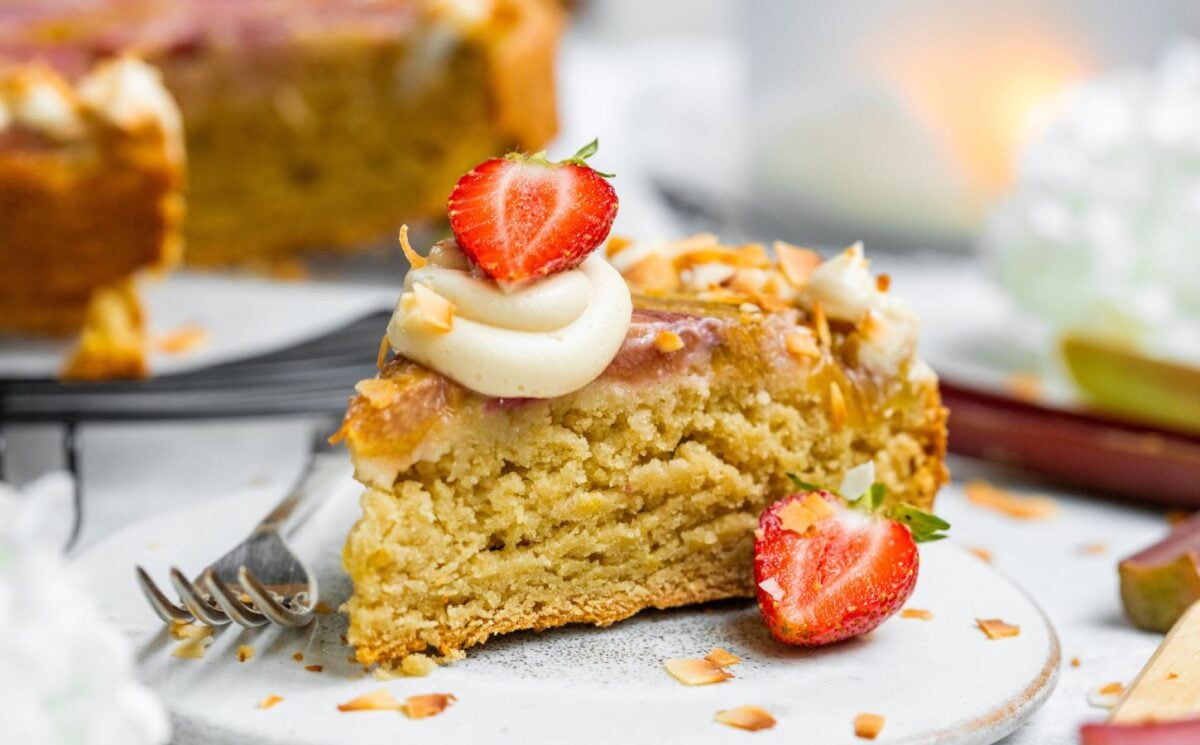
column 378, row 700
column 696, row 672
column 1020, row 507
column 883, row 282
column 917, row 613
column 244, row 652
column 1075, row 662
column 1093, row 548
column 750, row 718
column 427, row 705
column 1106, row 695
column 1172, row 676
column 344, row 639
column 187, row 630
column 314, row 668
column 322, row 608
column 997, row 629
column 417, row 665
column 192, row 649
column 1025, row 387
column 868, row 726
column 667, row 342
column 269, row 701
column 722, row 658
column 298, row 657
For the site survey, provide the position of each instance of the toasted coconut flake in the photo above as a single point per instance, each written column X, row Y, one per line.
column 244, row 652
column 269, row 701
column 749, row 282
column 183, row 339
column 868, row 726
column 837, row 407
column 380, row 392
column 415, row 259
column 1094, row 548
column 708, row 275
column 653, row 274
column 314, row 668
column 982, row 553
column 1013, row 505
column 668, row 341
column 381, row 356
column 722, row 658
column 435, row 310
column 799, row 516
column 322, row 608
column 801, row 343
column 696, row 672
column 796, row 263
column 917, row 613
column 427, row 705
column 378, row 700
column 771, row 586
column 1105, row 695
column 751, row 718
column 997, row 629
column 883, row 282
column 753, row 255
column 192, row 649
column 821, row 324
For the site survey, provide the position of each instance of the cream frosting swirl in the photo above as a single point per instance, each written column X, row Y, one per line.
column 541, row 339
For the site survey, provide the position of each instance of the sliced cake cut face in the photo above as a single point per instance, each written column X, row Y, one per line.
column 317, row 124
column 642, row 489
column 91, row 192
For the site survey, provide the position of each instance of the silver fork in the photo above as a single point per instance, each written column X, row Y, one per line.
column 260, row 580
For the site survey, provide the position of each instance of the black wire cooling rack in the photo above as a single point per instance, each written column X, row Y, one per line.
column 313, row 379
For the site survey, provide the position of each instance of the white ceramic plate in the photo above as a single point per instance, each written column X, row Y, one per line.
column 937, row 681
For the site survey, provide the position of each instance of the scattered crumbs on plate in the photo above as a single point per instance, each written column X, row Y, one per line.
column 314, row 668
column 750, row 718
column 868, row 726
column 1172, row 676
column 182, row 340
column 192, row 649
column 1094, row 549
column 427, row 705
column 917, row 613
column 322, row 608
column 298, row 657
column 269, row 701
column 343, row 639
column 1025, row 386
column 1174, row 517
column 1017, row 506
column 696, row 672
column 997, row 629
column 244, row 652
column 1075, row 662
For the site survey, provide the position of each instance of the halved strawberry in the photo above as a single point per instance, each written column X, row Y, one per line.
column 523, row 216
column 827, row 571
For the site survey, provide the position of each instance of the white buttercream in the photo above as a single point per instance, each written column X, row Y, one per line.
column 539, row 340
column 128, row 93
column 40, row 101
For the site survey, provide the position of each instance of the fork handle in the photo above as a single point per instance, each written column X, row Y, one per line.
column 320, row 472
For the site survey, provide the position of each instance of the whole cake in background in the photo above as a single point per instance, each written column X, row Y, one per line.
column 91, row 180
column 561, row 438
column 316, row 124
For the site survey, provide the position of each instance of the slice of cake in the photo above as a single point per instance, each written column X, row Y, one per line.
column 91, row 179
column 544, row 450
column 317, row 124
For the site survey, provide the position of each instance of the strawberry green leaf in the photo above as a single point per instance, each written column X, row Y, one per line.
column 585, row 152
column 803, row 485
column 876, row 493
column 925, row 527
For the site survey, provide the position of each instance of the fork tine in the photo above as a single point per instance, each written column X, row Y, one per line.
column 232, row 605
column 269, row 606
column 195, row 602
column 169, row 612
